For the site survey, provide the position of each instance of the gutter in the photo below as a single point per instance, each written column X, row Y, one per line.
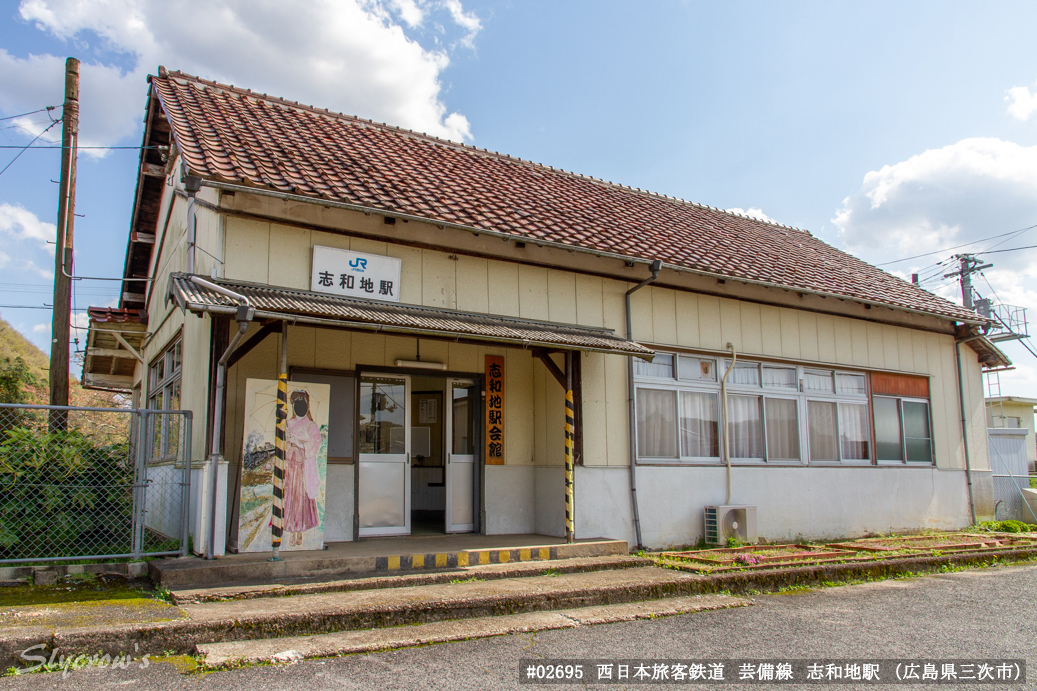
column 302, row 199
column 655, row 266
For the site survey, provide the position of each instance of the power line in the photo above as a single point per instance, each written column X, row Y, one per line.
column 1010, row 249
column 948, row 249
column 37, row 307
column 26, row 147
column 31, row 112
column 135, row 148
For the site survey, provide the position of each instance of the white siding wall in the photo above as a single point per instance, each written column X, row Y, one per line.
column 280, row 255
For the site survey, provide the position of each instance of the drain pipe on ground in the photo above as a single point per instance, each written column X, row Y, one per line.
column 246, row 313
column 964, row 423
column 656, row 267
column 727, row 435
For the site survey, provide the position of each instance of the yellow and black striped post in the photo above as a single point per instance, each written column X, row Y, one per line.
column 570, row 433
column 570, row 436
column 277, row 524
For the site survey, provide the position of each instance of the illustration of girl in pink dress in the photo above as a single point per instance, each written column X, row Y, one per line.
column 302, row 478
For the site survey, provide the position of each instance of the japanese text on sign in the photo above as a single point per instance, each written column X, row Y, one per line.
column 494, row 410
column 355, row 275
column 828, row 672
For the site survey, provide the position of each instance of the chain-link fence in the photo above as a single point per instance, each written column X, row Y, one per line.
column 93, row 483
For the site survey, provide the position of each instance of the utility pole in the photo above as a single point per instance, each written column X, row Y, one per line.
column 967, row 265
column 62, row 314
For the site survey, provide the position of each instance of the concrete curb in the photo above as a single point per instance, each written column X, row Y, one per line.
column 180, row 573
column 225, row 655
column 184, row 636
column 403, row 580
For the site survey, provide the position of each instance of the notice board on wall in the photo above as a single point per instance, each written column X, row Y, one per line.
column 494, row 410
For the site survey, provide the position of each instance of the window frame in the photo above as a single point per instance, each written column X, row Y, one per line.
column 160, row 392
column 903, row 432
column 762, row 393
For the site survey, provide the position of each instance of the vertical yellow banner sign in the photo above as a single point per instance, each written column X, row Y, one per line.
column 494, row 406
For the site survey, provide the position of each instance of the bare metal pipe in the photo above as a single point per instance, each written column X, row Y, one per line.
column 656, row 267
column 727, row 431
column 964, row 423
column 245, row 315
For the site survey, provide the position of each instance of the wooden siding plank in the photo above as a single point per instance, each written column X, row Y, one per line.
column 664, row 316
column 472, row 287
column 561, row 296
column 687, row 308
column 532, row 285
column 770, row 324
column 503, row 286
column 589, row 301
column 247, row 250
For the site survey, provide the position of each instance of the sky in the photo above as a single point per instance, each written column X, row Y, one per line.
column 888, row 129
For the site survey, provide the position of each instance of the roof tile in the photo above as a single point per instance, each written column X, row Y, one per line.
column 233, row 135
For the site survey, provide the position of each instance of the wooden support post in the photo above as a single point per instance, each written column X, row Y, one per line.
column 62, row 313
column 277, row 527
column 570, row 434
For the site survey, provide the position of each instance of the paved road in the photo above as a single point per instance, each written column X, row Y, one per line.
column 985, row 613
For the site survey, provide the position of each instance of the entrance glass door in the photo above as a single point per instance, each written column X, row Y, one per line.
column 460, row 460
column 384, row 450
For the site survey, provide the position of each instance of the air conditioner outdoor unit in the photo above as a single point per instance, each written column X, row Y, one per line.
column 725, row 522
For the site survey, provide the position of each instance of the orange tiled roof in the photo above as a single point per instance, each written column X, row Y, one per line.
column 233, row 135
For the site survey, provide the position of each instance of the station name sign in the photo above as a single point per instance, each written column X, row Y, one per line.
column 355, row 274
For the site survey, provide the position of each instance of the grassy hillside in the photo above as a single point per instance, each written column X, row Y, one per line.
column 13, row 344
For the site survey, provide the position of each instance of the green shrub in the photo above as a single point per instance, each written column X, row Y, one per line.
column 63, row 495
column 1009, row 526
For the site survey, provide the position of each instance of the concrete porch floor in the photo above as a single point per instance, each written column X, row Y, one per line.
column 376, row 555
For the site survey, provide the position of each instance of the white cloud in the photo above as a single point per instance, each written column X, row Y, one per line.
column 753, row 212
column 22, row 224
column 961, row 194
column 41, row 328
column 1022, row 104
column 346, row 55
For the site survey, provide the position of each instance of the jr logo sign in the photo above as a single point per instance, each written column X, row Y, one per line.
column 335, row 271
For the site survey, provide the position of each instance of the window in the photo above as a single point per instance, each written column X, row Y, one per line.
column 699, row 424
column 660, row 367
column 776, row 377
column 696, row 369
column 656, row 423
column 745, row 426
column 775, row 412
column 902, row 430
column 782, row 429
column 164, row 394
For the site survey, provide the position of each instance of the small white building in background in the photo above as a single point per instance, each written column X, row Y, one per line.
column 844, row 409
column 1014, row 412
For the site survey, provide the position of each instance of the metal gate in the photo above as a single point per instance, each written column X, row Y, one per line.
column 93, row 483
column 1010, row 466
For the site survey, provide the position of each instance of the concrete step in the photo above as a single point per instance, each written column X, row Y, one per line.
column 353, row 610
column 374, row 557
column 248, row 591
column 291, row 649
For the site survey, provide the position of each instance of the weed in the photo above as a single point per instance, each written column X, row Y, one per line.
column 470, row 579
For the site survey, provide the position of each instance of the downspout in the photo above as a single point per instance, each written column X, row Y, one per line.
column 964, row 423
column 727, row 435
column 191, row 184
column 656, row 267
column 245, row 314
